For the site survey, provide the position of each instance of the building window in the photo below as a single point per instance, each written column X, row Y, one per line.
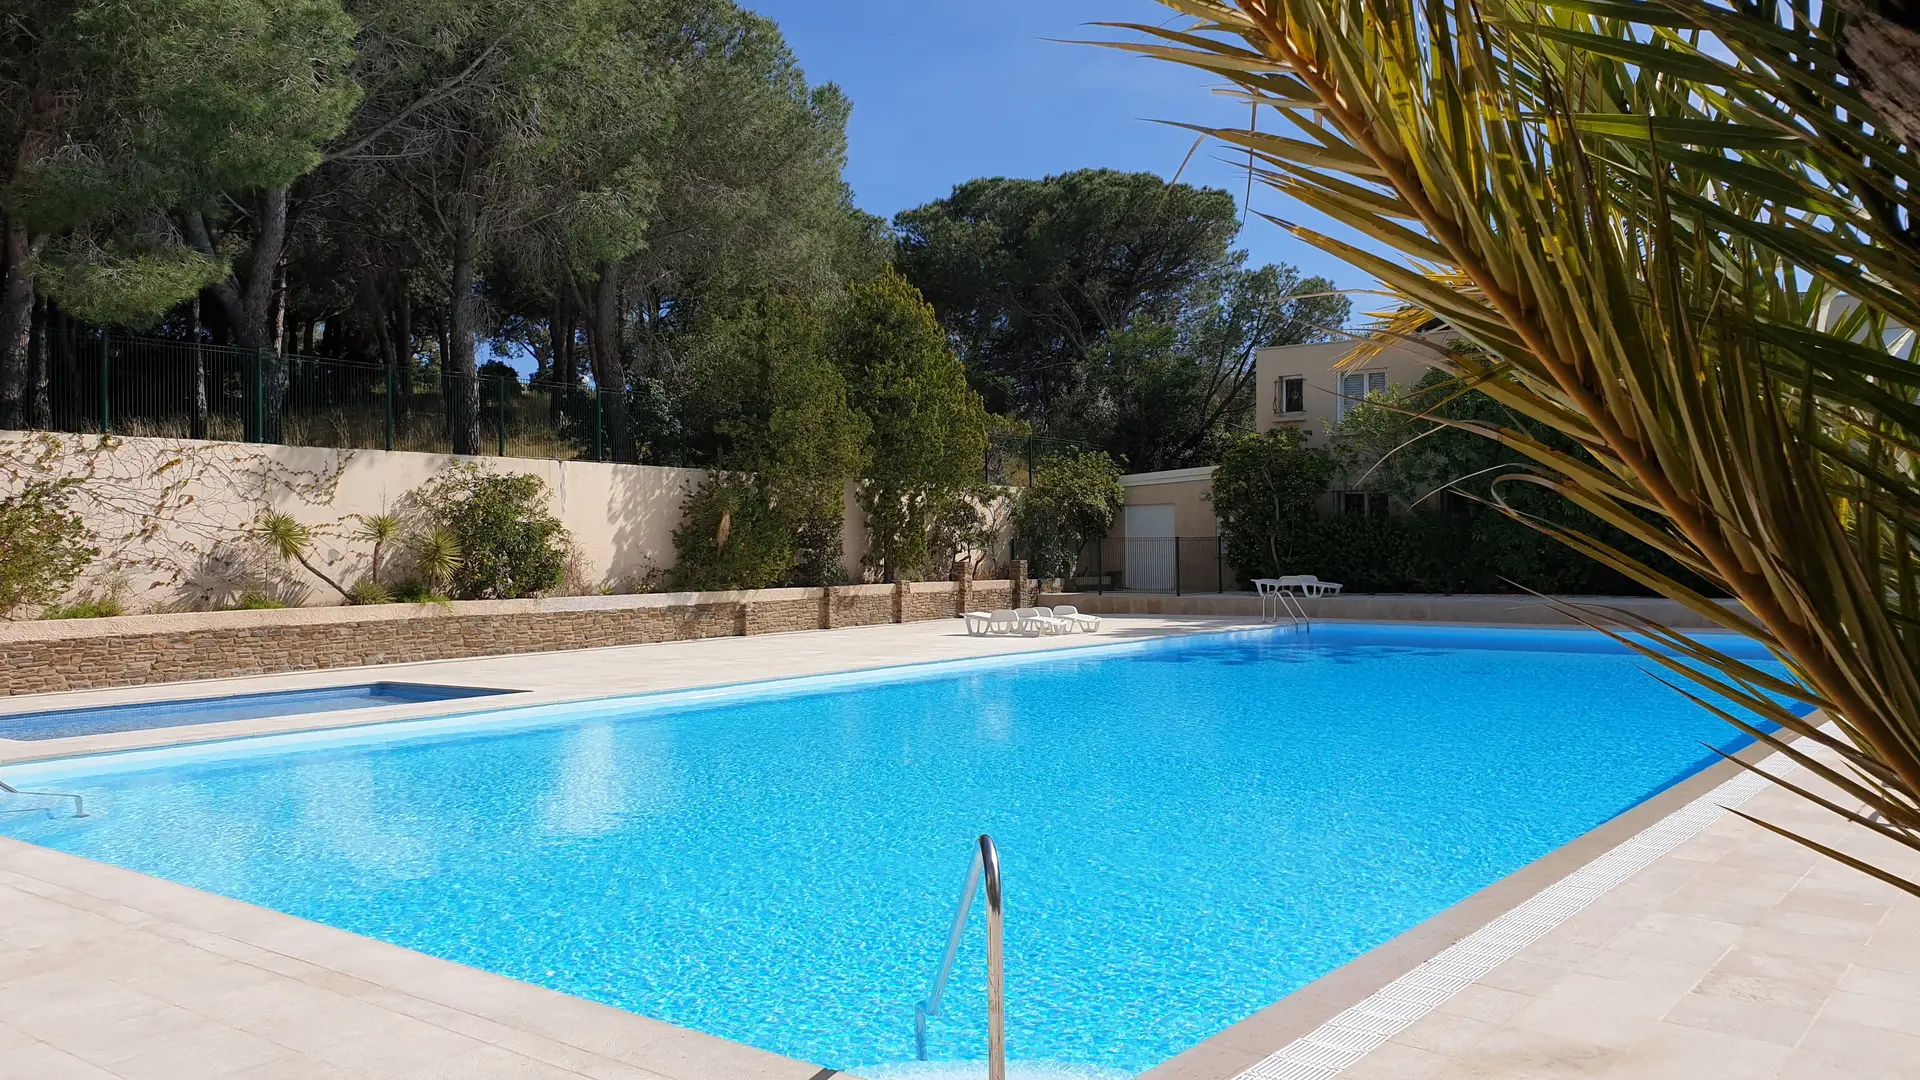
column 1290, row 396
column 1365, row 503
column 1357, row 386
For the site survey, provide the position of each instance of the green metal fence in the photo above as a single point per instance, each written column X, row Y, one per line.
column 102, row 381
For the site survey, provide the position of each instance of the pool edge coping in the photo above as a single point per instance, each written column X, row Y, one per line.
column 1237, row 1050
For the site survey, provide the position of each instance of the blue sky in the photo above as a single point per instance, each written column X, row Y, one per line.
column 947, row 90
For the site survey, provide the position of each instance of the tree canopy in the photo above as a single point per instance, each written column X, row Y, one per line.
column 1109, row 307
column 643, row 197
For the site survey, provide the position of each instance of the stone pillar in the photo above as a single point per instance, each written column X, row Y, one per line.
column 1017, row 573
column 899, row 601
column 962, row 586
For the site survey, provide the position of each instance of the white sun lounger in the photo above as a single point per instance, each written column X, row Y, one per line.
column 1306, row 585
column 979, row 623
column 1035, row 620
column 1003, row 621
column 1070, row 615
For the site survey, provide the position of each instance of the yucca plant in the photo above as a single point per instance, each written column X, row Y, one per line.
column 1674, row 232
column 437, row 555
column 381, row 530
column 289, row 539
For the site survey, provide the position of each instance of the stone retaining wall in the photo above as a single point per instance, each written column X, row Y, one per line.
column 860, row 605
column 82, row 654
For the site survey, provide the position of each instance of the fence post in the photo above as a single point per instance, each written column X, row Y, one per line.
column 1176, row 566
column 599, row 440
column 390, row 391
column 500, row 420
column 106, row 407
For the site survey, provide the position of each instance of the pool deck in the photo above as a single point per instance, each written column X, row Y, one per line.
column 1735, row 955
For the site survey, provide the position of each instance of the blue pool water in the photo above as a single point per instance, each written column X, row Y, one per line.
column 139, row 716
column 1189, row 829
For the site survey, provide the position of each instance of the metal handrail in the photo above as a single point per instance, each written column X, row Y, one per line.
column 985, row 867
column 79, row 804
column 1284, row 604
column 1296, row 611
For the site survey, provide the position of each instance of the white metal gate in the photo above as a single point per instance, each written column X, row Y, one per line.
column 1150, row 540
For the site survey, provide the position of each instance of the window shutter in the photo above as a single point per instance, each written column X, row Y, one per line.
column 1352, row 389
column 1376, row 381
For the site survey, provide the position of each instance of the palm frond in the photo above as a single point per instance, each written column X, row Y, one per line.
column 1673, row 231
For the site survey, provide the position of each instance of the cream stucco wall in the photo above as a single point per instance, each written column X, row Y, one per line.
column 1404, row 365
column 172, row 516
column 1186, row 490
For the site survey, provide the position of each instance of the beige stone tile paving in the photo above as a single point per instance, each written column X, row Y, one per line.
column 1737, row 956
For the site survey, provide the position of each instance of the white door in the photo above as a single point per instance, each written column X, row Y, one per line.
column 1150, row 547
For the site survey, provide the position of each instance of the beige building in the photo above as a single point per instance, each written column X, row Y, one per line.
column 1168, row 535
column 1166, row 539
column 1303, row 384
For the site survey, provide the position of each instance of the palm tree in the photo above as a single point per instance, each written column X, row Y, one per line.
column 1677, row 233
column 381, row 530
column 291, row 541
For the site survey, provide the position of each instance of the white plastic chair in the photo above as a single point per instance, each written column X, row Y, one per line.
column 1070, row 615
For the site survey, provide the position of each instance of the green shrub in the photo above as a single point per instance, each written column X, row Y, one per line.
column 1073, row 498
column 1269, row 489
column 255, row 600
column 417, row 592
column 104, row 606
column 369, row 591
column 1265, row 496
column 43, row 545
column 509, row 544
column 729, row 538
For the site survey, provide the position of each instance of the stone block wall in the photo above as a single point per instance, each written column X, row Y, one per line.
column 990, row 596
column 83, row 654
column 928, row 600
column 859, row 605
column 781, row 611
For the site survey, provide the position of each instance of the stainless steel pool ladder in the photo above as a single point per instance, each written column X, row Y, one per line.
column 79, row 804
column 1285, row 606
column 986, row 867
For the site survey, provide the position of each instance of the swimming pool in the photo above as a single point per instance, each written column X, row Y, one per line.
column 142, row 715
column 1189, row 829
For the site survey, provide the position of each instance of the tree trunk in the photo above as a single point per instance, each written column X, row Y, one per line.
column 276, row 376
column 199, row 422
column 1879, row 42
column 610, row 379
column 16, row 325
column 39, row 369
column 463, row 398
column 254, row 320
column 560, row 371
column 403, row 345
